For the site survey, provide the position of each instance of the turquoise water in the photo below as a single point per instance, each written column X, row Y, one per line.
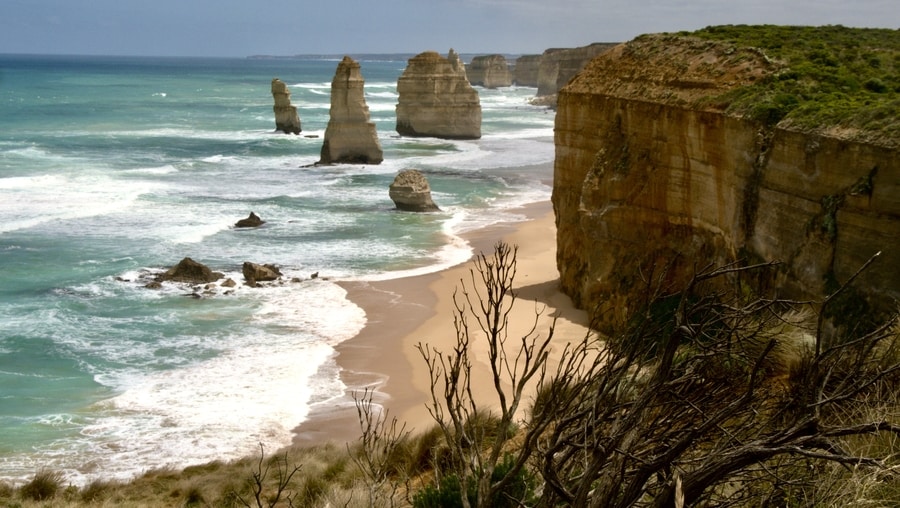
column 113, row 169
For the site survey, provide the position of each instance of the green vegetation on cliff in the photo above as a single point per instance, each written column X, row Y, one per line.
column 830, row 77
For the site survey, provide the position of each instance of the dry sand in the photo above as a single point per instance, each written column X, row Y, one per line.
column 402, row 313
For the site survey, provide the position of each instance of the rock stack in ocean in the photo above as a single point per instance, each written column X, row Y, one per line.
column 189, row 271
column 436, row 99
column 489, row 71
column 252, row 221
column 254, row 273
column 350, row 136
column 286, row 118
column 526, row 71
column 410, row 192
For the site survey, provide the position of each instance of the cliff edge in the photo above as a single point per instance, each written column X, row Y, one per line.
column 674, row 152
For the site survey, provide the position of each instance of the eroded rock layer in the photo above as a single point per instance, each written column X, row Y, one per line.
column 286, row 118
column 559, row 65
column 651, row 183
column 526, row 70
column 350, row 136
column 489, row 71
column 436, row 99
column 411, row 192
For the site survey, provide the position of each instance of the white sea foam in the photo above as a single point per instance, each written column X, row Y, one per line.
column 198, row 379
column 158, row 170
column 390, row 95
column 215, row 159
column 28, row 202
column 313, row 86
column 29, row 153
column 253, row 386
column 376, row 107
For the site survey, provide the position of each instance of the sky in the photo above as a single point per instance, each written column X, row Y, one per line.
column 289, row 27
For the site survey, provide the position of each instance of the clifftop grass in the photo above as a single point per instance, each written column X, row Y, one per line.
column 830, row 78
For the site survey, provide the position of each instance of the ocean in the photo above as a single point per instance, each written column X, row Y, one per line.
column 113, row 169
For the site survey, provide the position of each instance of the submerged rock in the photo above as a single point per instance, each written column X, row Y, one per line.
column 190, row 271
column 254, row 273
column 350, row 136
column 286, row 118
column 410, row 192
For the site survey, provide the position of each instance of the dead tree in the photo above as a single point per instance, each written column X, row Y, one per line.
column 516, row 363
column 380, row 441
column 259, row 478
column 710, row 397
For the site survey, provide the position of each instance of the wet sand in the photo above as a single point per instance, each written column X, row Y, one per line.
column 404, row 312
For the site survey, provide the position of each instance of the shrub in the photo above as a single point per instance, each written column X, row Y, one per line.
column 43, row 486
column 426, row 451
column 518, row 491
column 447, row 494
column 192, row 494
column 875, row 85
column 97, row 490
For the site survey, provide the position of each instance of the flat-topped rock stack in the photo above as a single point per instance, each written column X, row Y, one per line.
column 436, row 99
column 489, row 71
column 526, row 70
column 350, row 136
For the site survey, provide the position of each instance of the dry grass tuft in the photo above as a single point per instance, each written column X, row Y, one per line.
column 43, row 486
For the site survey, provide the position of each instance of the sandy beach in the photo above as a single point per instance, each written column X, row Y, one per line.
column 405, row 312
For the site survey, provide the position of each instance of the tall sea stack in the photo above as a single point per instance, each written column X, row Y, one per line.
column 436, row 99
column 350, row 136
column 286, row 118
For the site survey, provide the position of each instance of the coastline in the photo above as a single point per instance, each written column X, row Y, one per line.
column 404, row 312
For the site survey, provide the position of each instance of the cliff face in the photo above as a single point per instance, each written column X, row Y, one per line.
column 650, row 180
column 350, row 136
column 436, row 99
column 489, row 71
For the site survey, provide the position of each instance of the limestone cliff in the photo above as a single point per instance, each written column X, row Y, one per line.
column 436, row 99
column 559, row 65
column 286, row 118
column 350, row 136
column 653, row 176
column 489, row 71
column 526, row 70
